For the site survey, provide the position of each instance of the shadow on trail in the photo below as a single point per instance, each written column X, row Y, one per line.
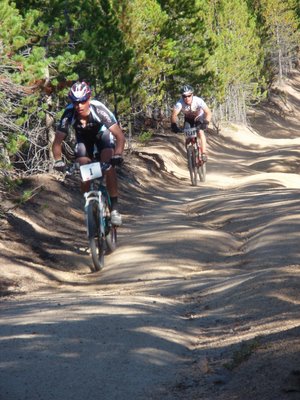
column 65, row 346
column 62, row 348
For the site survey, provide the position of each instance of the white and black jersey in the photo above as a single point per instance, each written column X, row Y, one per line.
column 99, row 118
column 193, row 110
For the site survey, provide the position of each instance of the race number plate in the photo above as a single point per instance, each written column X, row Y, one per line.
column 90, row 171
column 190, row 133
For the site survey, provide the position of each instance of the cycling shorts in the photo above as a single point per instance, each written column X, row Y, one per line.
column 87, row 145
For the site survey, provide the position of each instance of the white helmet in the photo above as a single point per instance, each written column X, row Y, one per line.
column 187, row 89
column 80, row 92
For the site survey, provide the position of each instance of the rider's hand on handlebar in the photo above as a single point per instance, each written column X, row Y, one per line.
column 59, row 165
column 175, row 128
column 205, row 124
column 201, row 124
column 117, row 160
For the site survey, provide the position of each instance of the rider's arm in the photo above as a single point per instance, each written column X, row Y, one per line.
column 174, row 115
column 56, row 147
column 207, row 114
column 120, row 138
column 174, row 126
column 61, row 133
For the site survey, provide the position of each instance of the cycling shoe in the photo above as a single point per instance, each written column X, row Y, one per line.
column 116, row 218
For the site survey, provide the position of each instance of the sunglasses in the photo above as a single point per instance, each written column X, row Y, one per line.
column 75, row 103
column 185, row 96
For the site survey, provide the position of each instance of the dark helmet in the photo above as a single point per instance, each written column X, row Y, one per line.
column 187, row 89
column 80, row 91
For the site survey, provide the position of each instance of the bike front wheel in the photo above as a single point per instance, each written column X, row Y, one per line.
column 96, row 241
column 202, row 172
column 191, row 157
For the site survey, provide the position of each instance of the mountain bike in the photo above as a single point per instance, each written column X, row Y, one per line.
column 197, row 168
column 101, row 233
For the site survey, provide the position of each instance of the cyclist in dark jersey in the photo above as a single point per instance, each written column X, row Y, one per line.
column 94, row 125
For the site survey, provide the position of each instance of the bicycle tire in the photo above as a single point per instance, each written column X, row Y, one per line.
column 96, row 241
column 110, row 230
column 191, row 156
column 111, row 240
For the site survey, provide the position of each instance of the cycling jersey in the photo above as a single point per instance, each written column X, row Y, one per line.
column 193, row 110
column 99, row 117
column 95, row 132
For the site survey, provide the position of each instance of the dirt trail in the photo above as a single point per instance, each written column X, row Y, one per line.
column 200, row 300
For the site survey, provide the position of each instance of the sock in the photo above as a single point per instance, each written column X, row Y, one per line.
column 114, row 203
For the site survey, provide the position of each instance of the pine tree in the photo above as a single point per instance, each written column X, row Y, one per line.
column 191, row 46
column 282, row 42
column 237, row 56
column 110, row 60
column 141, row 22
column 20, row 67
column 29, row 69
column 279, row 25
column 91, row 30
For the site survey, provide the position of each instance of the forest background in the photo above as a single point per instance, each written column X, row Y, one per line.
column 135, row 54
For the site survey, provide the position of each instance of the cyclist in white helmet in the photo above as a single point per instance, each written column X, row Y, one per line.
column 94, row 125
column 196, row 114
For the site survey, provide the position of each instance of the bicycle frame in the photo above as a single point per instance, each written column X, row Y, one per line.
column 102, row 235
column 194, row 151
column 193, row 142
column 192, row 139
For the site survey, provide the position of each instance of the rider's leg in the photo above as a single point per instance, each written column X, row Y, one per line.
column 203, row 144
column 187, row 125
column 112, row 185
column 82, row 159
column 111, row 175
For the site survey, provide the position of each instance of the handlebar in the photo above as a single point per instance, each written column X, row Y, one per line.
column 73, row 168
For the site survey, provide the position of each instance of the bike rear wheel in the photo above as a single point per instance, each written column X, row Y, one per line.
column 111, row 240
column 96, row 241
column 191, row 156
column 110, row 230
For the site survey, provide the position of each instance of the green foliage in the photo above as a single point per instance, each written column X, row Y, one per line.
column 17, row 36
column 15, row 143
column 189, row 45
column 11, row 28
column 4, row 165
column 142, row 22
column 237, row 56
column 110, row 61
column 298, row 13
column 279, row 32
column 25, row 196
column 140, row 52
column 51, row 56
column 145, row 137
column 11, row 184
